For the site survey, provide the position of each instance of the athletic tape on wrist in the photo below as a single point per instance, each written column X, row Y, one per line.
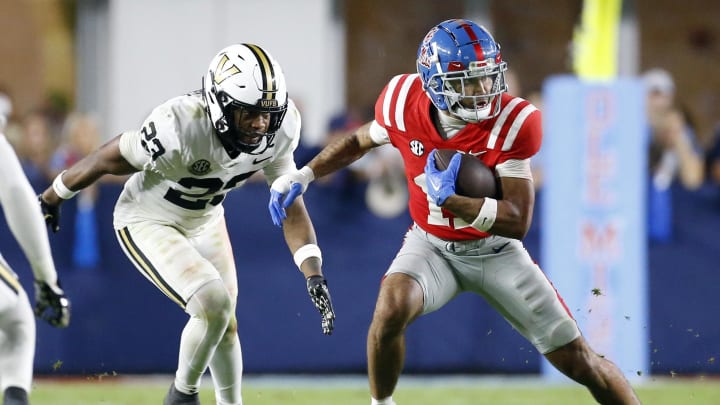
column 308, row 173
column 307, row 251
column 61, row 189
column 486, row 216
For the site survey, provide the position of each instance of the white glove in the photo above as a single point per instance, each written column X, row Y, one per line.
column 303, row 177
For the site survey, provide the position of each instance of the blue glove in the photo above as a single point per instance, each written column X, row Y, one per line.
column 441, row 183
column 285, row 189
column 279, row 201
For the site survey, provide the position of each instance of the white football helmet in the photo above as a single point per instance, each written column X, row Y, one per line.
column 244, row 77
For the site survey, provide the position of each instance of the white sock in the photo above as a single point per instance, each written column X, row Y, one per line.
column 192, row 360
column 201, row 335
column 226, row 367
column 384, row 401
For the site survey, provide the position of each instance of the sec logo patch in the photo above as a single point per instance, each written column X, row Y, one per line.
column 417, row 148
column 200, row 167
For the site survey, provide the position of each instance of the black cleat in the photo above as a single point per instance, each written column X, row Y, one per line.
column 175, row 397
column 15, row 396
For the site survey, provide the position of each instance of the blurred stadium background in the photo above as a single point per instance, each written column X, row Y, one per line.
column 116, row 59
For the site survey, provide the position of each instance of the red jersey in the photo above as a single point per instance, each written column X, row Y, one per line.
column 403, row 109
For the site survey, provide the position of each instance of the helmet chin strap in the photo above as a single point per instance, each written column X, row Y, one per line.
column 250, row 148
column 474, row 115
column 235, row 148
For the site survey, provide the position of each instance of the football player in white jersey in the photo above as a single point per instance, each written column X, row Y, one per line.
column 17, row 325
column 458, row 100
column 169, row 219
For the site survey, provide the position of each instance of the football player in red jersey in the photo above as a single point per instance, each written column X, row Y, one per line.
column 458, row 100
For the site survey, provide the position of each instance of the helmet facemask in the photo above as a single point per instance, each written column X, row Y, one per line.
column 473, row 94
column 243, row 140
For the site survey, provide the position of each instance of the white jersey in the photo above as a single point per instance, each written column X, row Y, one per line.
column 185, row 170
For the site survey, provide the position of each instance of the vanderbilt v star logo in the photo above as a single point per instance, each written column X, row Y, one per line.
column 225, row 69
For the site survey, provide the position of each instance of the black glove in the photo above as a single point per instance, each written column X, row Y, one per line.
column 320, row 296
column 51, row 214
column 51, row 305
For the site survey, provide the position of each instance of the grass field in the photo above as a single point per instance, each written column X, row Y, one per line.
column 324, row 390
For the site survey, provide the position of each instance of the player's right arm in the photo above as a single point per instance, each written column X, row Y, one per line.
column 338, row 154
column 107, row 159
column 26, row 224
column 344, row 151
column 20, row 207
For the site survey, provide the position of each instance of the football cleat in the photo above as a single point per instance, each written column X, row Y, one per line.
column 15, row 396
column 175, row 397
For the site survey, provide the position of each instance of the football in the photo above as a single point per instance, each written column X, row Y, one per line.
column 474, row 178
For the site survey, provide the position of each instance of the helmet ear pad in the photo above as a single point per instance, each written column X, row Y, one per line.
column 433, row 89
column 213, row 106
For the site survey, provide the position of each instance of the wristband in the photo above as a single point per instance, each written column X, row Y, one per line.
column 308, row 173
column 61, row 189
column 305, row 252
column 486, row 216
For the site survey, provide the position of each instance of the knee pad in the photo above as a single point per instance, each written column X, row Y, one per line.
column 211, row 302
column 560, row 334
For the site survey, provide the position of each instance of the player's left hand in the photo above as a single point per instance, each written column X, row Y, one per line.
column 51, row 213
column 440, row 184
column 51, row 304
column 320, row 296
column 279, row 201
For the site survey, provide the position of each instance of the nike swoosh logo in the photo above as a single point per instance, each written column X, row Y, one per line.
column 476, row 153
column 435, row 187
column 500, row 248
column 256, row 160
